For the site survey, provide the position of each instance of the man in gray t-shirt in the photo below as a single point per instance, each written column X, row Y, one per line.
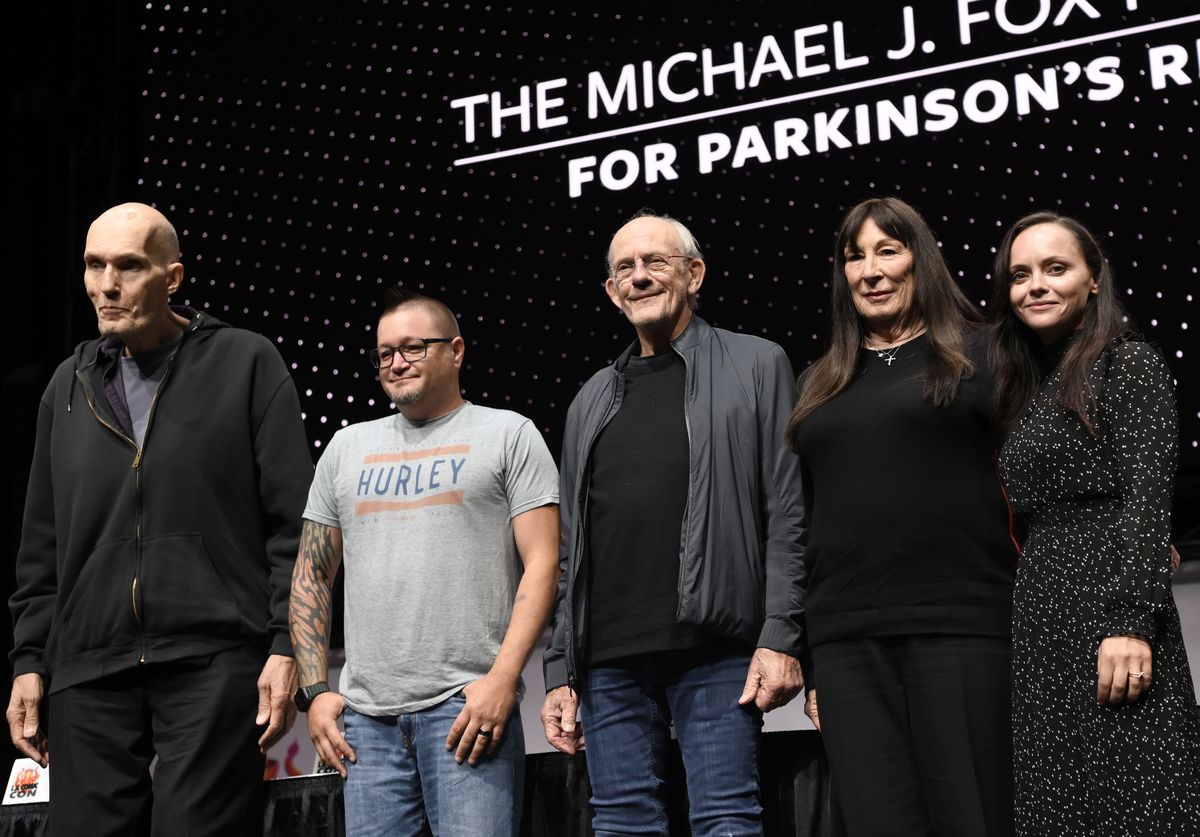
column 446, row 517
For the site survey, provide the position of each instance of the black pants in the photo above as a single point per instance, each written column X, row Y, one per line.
column 197, row 715
column 917, row 730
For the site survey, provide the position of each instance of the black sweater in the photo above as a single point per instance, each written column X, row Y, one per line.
column 909, row 531
column 182, row 548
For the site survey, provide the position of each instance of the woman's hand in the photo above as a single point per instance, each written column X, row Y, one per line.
column 1123, row 668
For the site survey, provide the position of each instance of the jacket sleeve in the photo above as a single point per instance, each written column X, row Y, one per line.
column 554, row 663
column 32, row 605
column 1141, row 428
column 783, row 506
column 285, row 470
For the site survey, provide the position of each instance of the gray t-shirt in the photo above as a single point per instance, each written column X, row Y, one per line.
column 431, row 567
column 140, row 376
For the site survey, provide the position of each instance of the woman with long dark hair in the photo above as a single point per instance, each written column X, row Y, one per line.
column 1105, row 728
column 910, row 554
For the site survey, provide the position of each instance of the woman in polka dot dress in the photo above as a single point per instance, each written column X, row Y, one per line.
column 1106, row 734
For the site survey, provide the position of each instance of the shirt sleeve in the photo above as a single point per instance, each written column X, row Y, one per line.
column 284, row 466
column 32, row 605
column 554, row 662
column 1139, row 424
column 786, row 526
column 322, row 505
column 530, row 478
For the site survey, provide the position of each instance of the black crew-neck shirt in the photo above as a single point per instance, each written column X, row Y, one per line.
column 636, row 502
column 909, row 530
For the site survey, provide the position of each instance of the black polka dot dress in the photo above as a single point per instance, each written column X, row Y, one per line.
column 1096, row 563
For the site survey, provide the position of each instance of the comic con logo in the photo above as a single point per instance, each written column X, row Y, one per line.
column 26, row 783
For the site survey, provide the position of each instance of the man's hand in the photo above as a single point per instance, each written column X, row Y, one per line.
column 1123, row 669
column 774, row 678
column 276, row 686
column 559, row 720
column 479, row 727
column 24, row 718
column 331, row 746
column 810, row 709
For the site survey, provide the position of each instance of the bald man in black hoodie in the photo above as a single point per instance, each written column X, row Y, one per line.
column 161, row 526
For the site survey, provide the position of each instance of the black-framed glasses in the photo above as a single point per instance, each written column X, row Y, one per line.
column 656, row 264
column 415, row 349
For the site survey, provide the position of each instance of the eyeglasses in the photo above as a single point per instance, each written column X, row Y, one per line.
column 655, row 264
column 412, row 351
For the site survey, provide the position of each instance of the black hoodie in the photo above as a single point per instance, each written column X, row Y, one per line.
column 181, row 548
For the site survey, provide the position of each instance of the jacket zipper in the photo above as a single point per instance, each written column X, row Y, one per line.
column 685, row 535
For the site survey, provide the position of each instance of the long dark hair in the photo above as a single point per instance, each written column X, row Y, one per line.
column 1015, row 348
column 938, row 303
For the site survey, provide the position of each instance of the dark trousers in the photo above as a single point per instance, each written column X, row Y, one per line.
column 197, row 715
column 918, row 733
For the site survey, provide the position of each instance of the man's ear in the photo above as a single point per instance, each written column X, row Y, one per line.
column 174, row 277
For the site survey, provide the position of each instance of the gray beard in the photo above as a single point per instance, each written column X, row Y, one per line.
column 411, row 396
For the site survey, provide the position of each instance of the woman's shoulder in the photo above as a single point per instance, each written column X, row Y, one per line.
column 1130, row 350
column 1129, row 359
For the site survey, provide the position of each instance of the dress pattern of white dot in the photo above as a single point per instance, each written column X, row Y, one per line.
column 1096, row 563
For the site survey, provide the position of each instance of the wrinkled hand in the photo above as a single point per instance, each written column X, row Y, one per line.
column 559, row 718
column 810, row 709
column 490, row 703
column 276, row 687
column 24, row 718
column 323, row 713
column 774, row 678
column 1118, row 658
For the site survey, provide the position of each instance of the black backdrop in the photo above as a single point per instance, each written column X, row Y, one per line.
column 306, row 152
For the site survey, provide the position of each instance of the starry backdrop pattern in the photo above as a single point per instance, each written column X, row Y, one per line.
column 306, row 154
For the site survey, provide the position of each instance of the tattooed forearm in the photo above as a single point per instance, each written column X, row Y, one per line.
column 310, row 606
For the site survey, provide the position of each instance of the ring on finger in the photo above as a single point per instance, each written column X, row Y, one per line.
column 484, row 733
column 1139, row 675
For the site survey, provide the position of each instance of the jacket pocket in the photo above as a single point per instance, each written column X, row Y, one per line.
column 98, row 612
column 180, row 592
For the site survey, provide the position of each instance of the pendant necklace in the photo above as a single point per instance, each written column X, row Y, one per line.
column 887, row 355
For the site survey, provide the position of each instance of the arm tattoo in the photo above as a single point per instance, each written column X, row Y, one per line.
column 310, row 607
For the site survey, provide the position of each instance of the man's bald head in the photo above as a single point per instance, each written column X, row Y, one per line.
column 160, row 241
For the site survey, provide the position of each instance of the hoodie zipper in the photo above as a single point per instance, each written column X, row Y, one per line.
column 137, row 511
column 137, row 483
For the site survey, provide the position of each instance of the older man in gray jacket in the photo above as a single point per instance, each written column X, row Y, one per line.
column 681, row 592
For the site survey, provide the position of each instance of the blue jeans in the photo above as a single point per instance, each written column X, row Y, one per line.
column 627, row 709
column 405, row 777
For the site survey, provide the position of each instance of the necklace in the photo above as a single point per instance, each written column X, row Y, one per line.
column 887, row 355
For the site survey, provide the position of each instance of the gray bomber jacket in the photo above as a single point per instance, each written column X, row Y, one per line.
column 741, row 562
